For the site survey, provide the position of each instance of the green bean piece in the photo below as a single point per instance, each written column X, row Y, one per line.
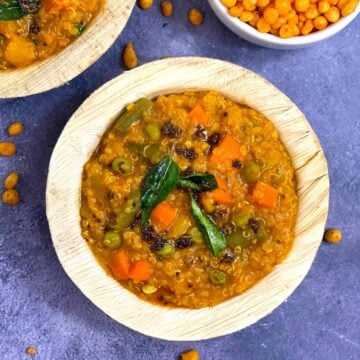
column 133, row 115
column 166, row 251
column 262, row 234
column 112, row 240
column 123, row 221
column 153, row 153
column 136, row 148
column 217, row 277
column 240, row 219
column 242, row 238
column 196, row 235
column 122, row 166
column 153, row 131
column 149, row 289
column 251, row 172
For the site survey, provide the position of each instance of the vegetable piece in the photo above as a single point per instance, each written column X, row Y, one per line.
column 163, row 216
column 238, row 238
column 190, row 355
column 198, row 115
column 196, row 235
column 20, row 51
column 122, row 166
column 80, row 27
column 149, row 289
column 133, row 114
column 264, row 194
column 333, row 236
column 112, row 240
column 11, row 180
column 199, row 182
column 54, row 5
column 166, row 250
column 240, row 219
column 120, row 265
column 217, row 277
column 10, row 10
column 7, row 149
column 213, row 237
column 139, row 270
column 153, row 153
column 221, row 195
column 251, row 172
column 153, row 131
column 229, row 149
column 10, row 197
column 129, row 56
column 158, row 184
column 179, row 227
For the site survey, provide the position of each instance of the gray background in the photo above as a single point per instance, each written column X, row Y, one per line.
column 40, row 306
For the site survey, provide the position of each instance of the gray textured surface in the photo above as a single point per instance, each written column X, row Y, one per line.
column 40, row 306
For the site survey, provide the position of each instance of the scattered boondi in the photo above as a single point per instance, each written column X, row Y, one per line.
column 196, row 17
column 11, row 180
column 146, row 4
column 10, row 197
column 7, row 148
column 190, row 355
column 15, row 128
column 130, row 57
column 167, row 8
column 333, row 236
column 31, row 351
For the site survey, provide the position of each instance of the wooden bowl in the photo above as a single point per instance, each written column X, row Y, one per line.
column 82, row 135
column 74, row 59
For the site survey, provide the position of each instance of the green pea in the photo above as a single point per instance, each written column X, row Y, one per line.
column 217, row 277
column 251, row 172
column 112, row 240
column 122, row 166
column 196, row 235
column 149, row 289
column 242, row 238
column 153, row 131
column 240, row 219
column 153, row 153
column 166, row 251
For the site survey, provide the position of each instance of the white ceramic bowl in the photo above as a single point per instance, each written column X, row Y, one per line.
column 250, row 34
column 80, row 138
column 74, row 59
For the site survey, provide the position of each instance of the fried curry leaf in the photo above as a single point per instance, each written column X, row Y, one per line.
column 158, row 184
column 10, row 10
column 133, row 115
column 214, row 238
column 199, row 182
column 29, row 6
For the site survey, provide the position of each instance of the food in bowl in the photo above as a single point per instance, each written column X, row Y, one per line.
column 32, row 30
column 189, row 199
column 285, row 18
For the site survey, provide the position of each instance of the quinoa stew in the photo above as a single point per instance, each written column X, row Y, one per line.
column 32, row 30
column 189, row 199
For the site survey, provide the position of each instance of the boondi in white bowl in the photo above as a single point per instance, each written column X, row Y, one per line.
column 282, row 24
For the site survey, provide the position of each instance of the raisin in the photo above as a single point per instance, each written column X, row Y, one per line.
column 201, row 133
column 254, row 226
column 187, row 153
column 187, row 172
column 184, row 242
column 213, row 140
column 171, row 130
column 158, row 244
column 228, row 257
column 237, row 164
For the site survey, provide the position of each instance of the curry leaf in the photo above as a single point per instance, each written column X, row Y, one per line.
column 158, row 183
column 214, row 238
column 10, row 10
column 199, row 182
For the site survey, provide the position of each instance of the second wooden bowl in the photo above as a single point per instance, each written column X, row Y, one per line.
column 81, row 137
column 74, row 59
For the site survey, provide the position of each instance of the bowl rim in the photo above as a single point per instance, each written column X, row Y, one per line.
column 73, row 59
column 81, row 136
column 253, row 35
